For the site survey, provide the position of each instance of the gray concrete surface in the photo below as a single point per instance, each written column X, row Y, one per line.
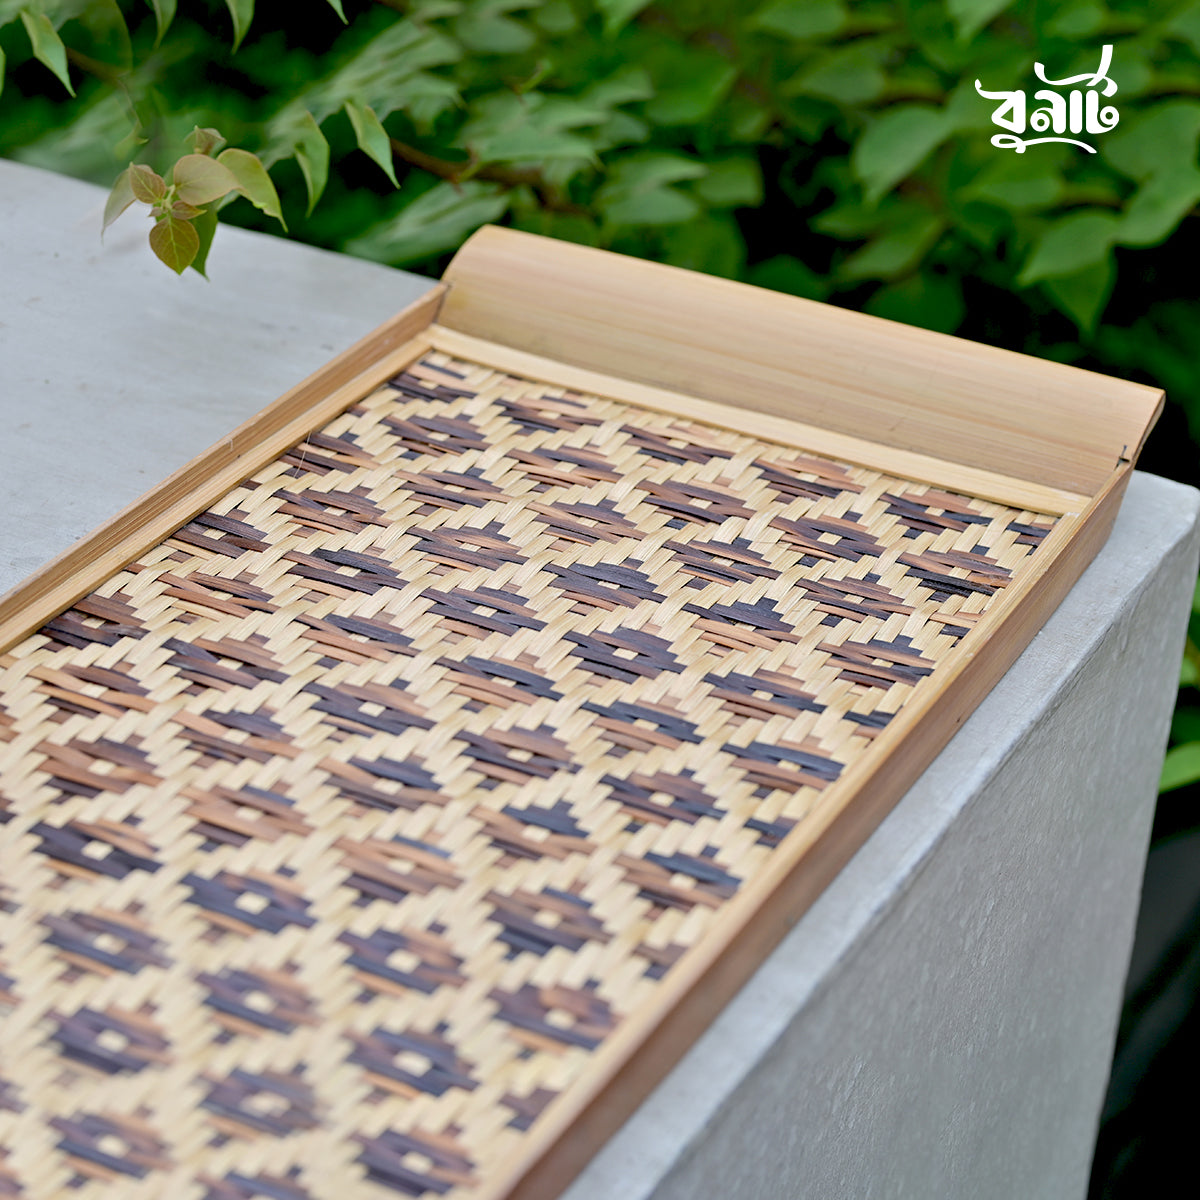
column 941, row 1023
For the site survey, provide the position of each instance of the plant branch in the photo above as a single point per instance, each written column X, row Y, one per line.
column 457, row 173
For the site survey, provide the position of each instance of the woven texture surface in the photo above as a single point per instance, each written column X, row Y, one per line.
column 343, row 828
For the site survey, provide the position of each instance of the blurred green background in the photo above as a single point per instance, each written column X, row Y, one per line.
column 833, row 149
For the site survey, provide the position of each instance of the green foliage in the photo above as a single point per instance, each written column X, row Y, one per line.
column 834, row 149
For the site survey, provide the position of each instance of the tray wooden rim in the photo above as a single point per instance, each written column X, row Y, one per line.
column 647, row 1045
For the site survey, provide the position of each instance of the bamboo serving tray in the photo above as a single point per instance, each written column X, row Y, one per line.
column 389, row 798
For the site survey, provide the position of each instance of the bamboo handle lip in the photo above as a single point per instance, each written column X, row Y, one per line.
column 914, row 389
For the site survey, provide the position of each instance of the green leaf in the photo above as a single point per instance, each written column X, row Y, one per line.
column 618, row 13
column 926, row 298
column 253, row 182
column 164, row 14
column 336, row 5
column 712, row 243
column 1189, row 676
column 242, row 12
column 534, row 145
column 1159, row 205
column 1158, row 139
column 205, row 226
column 483, row 32
column 1017, row 182
column 372, row 138
column 201, row 179
column 438, row 220
column 852, row 74
column 895, row 252
column 1069, row 245
column 657, row 206
column 691, row 89
column 175, row 242
column 1, row 70
column 47, row 45
column 205, row 141
column 648, row 170
column 312, row 156
column 147, row 185
column 119, row 199
column 970, row 16
column 732, row 183
column 1185, row 25
column 800, row 18
column 786, row 274
column 1080, row 19
column 1083, row 295
column 895, row 144
column 1181, row 766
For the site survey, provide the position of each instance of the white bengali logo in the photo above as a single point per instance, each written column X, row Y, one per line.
column 1076, row 112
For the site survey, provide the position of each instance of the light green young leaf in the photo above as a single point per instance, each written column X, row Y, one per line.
column 253, row 182
column 201, row 179
column 312, row 156
column 800, row 18
column 1071, row 244
column 119, row 199
column 47, row 45
column 618, row 13
column 164, row 14
column 205, row 226
column 1083, row 295
column 895, row 144
column 437, row 220
column 1181, row 766
column 732, row 183
column 1, row 71
column 146, row 184
column 205, row 141
column 1159, row 205
column 970, row 16
column 242, row 12
column 175, row 242
column 895, row 252
column 336, row 5
column 372, row 138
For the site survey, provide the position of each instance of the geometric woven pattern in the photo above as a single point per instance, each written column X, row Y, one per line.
column 339, row 830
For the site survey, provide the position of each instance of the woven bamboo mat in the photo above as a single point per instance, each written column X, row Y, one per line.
column 342, row 828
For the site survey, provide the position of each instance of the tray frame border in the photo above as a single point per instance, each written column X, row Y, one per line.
column 647, row 1045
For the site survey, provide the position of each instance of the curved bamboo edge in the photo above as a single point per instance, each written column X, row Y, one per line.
column 902, row 387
